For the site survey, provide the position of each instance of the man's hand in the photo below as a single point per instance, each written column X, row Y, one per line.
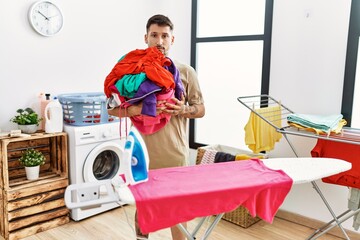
column 175, row 106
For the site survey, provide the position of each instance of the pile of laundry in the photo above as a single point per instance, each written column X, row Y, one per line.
column 320, row 124
column 144, row 76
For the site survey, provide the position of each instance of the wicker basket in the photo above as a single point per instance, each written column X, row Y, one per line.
column 241, row 215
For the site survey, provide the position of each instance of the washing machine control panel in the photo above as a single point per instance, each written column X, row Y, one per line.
column 95, row 133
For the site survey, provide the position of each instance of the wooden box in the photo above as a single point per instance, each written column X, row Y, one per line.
column 28, row 207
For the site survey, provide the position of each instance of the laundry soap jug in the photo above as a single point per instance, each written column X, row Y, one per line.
column 44, row 100
column 54, row 117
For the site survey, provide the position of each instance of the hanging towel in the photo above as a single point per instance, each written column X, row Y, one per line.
column 259, row 135
column 320, row 123
column 344, row 151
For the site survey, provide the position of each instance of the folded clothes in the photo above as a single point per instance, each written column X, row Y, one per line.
column 223, row 157
column 337, row 130
column 325, row 123
column 239, row 157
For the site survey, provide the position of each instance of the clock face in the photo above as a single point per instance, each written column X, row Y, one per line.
column 46, row 18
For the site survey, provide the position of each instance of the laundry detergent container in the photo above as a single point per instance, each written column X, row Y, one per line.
column 83, row 109
column 205, row 155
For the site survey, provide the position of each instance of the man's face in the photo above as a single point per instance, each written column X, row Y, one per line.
column 161, row 37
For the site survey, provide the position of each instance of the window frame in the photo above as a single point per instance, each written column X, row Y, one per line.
column 266, row 38
column 351, row 62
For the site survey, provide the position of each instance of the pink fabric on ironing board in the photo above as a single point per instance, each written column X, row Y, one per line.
column 179, row 194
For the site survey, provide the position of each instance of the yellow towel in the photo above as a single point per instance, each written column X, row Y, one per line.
column 259, row 135
column 239, row 157
column 338, row 129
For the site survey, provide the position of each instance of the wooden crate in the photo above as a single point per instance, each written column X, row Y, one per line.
column 28, row 207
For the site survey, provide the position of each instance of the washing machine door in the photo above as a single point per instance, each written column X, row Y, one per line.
column 103, row 162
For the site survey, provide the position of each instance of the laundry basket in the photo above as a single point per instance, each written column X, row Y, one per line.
column 241, row 215
column 82, row 109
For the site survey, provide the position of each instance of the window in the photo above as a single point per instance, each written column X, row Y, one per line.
column 351, row 91
column 231, row 42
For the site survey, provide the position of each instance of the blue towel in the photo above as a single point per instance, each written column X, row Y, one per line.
column 324, row 123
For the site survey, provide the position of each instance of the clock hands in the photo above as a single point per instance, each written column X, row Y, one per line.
column 46, row 18
column 53, row 16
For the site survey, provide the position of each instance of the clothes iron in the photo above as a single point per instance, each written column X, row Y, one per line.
column 135, row 158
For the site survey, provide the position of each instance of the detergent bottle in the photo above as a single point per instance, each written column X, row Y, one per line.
column 44, row 100
column 54, row 117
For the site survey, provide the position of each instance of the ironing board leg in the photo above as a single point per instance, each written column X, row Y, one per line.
column 208, row 231
column 185, row 232
column 335, row 218
column 198, row 226
column 327, row 227
column 212, row 226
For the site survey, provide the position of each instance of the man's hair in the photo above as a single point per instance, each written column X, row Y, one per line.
column 159, row 20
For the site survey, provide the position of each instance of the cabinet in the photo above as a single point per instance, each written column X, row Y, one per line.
column 28, row 207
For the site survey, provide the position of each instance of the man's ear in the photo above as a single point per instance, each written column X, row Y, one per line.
column 146, row 39
column 172, row 40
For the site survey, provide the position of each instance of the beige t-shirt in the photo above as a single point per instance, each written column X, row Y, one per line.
column 169, row 146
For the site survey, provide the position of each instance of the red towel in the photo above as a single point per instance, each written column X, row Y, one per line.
column 345, row 151
column 179, row 194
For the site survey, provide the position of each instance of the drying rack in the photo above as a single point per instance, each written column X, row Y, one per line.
column 277, row 118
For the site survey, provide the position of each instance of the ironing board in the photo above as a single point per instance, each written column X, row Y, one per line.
column 300, row 170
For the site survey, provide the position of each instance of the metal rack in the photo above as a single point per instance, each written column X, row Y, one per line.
column 277, row 118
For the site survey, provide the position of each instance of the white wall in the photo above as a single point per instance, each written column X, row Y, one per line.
column 95, row 35
column 307, row 70
column 307, row 65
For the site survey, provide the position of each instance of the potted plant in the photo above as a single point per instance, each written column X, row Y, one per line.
column 31, row 159
column 27, row 119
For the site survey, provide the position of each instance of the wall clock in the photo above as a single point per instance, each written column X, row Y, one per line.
column 46, row 18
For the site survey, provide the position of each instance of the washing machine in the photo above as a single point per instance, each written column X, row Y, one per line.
column 95, row 153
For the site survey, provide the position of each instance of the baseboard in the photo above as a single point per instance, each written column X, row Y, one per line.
column 315, row 224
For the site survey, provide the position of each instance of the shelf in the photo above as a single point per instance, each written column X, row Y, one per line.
column 28, row 207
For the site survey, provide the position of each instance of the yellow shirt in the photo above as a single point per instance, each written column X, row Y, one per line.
column 259, row 135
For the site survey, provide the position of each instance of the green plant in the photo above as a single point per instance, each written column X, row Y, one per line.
column 31, row 158
column 26, row 116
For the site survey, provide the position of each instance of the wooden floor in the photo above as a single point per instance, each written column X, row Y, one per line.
column 118, row 224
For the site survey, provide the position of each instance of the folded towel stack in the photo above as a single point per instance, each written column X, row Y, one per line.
column 318, row 123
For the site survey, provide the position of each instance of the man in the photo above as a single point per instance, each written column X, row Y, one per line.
column 168, row 147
